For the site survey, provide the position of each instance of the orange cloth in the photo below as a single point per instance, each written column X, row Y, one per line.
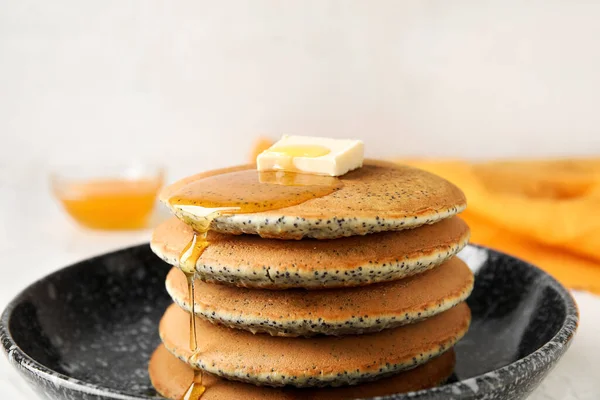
column 260, row 145
column 544, row 211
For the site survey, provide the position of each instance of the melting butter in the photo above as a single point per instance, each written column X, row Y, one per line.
column 312, row 155
column 301, row 150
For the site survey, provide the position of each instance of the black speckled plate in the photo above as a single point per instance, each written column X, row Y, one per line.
column 87, row 331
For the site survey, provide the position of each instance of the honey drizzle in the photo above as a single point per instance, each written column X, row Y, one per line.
column 196, row 389
column 187, row 263
column 230, row 193
column 192, row 292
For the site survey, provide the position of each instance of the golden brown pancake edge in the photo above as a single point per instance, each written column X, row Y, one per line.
column 318, row 361
column 250, row 261
column 171, row 377
column 298, row 312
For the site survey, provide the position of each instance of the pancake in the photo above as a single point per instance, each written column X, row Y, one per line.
column 306, row 362
column 340, row 312
column 378, row 197
column 171, row 377
column 250, row 261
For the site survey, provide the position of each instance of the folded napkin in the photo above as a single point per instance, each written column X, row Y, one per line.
column 546, row 212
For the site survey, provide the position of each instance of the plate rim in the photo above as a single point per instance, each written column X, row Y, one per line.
column 559, row 343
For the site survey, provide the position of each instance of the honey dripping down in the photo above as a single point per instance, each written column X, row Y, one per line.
column 239, row 192
column 196, row 389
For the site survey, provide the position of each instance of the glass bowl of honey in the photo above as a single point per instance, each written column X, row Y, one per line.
column 109, row 197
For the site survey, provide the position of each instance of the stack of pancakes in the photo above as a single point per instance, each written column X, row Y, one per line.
column 368, row 303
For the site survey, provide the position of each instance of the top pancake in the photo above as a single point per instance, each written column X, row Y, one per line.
column 378, row 197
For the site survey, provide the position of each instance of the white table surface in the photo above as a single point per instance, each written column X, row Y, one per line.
column 41, row 240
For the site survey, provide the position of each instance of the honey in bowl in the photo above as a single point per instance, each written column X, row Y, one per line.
column 109, row 203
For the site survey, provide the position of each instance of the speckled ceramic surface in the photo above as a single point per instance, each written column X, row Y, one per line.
column 87, row 331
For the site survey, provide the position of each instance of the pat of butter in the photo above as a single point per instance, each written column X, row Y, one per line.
column 312, row 155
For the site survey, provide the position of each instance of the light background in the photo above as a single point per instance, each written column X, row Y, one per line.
column 190, row 84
